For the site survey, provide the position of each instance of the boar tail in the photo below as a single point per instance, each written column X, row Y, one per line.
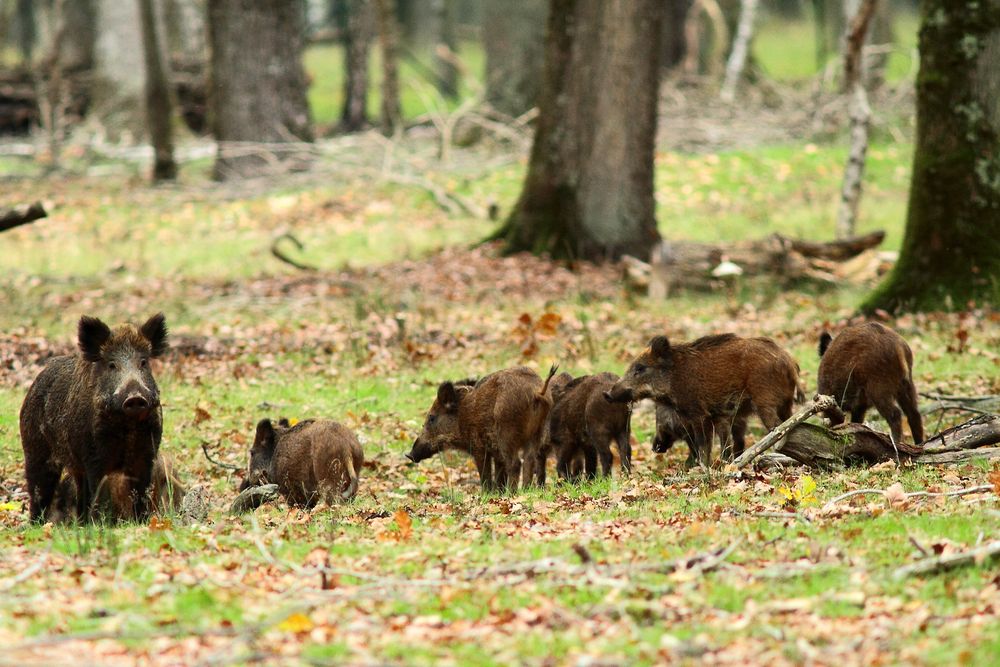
column 552, row 372
column 352, row 480
column 824, row 342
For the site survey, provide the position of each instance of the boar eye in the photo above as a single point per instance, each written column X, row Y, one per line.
column 112, row 366
column 639, row 369
column 143, row 362
column 431, row 419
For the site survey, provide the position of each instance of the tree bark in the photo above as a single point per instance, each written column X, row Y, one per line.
column 118, row 69
column 589, row 188
column 159, row 106
column 741, row 48
column 259, row 86
column 356, row 25
column 514, row 40
column 27, row 29
column 391, row 119
column 951, row 247
column 854, row 84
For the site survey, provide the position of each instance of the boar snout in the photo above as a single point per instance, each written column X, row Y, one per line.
column 618, row 395
column 661, row 445
column 136, row 406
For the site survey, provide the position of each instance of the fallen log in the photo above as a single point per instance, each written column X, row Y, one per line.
column 849, row 444
column 21, row 215
column 691, row 265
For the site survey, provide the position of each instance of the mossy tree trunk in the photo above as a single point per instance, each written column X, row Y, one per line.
column 589, row 189
column 951, row 247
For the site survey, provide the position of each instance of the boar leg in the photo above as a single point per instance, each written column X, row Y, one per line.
column 907, row 399
column 858, row 412
column 564, row 464
column 701, row 436
column 886, row 407
column 624, row 441
column 42, row 481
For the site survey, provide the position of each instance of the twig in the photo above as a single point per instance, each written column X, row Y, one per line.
column 914, row 494
column 220, row 464
column 27, row 573
column 921, row 548
column 279, row 253
column 940, row 563
column 819, row 404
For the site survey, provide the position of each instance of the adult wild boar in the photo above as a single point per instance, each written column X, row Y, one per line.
column 711, row 386
column 870, row 365
column 310, row 461
column 497, row 420
column 96, row 415
column 583, row 423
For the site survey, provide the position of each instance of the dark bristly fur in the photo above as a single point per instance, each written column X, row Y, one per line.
column 498, row 420
column 870, row 365
column 95, row 417
column 583, row 424
column 311, row 461
column 711, row 386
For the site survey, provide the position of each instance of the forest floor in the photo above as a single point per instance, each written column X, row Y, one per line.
column 421, row 568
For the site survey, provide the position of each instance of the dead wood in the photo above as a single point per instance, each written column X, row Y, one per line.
column 280, row 254
column 819, row 404
column 21, row 215
column 848, row 444
column 220, row 464
column 691, row 265
column 940, row 563
column 252, row 498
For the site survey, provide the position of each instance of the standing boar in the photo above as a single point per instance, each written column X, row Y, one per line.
column 96, row 415
column 711, row 386
column 312, row 461
column 583, row 423
column 497, row 420
column 870, row 365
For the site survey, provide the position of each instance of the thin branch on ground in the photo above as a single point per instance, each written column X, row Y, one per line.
column 819, row 404
column 975, row 556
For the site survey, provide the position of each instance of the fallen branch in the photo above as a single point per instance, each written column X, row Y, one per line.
column 940, row 563
column 21, row 215
column 277, row 252
column 220, row 464
column 252, row 498
column 913, row 494
column 819, row 404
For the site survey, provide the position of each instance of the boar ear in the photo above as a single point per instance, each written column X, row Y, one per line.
column 265, row 434
column 448, row 396
column 155, row 331
column 92, row 334
column 660, row 347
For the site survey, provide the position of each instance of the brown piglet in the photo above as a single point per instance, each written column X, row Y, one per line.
column 310, row 461
column 711, row 386
column 583, row 423
column 498, row 420
column 870, row 365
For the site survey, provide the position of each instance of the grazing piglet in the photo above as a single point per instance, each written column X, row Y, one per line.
column 497, row 420
column 711, row 386
column 870, row 365
column 583, row 423
column 96, row 416
column 311, row 461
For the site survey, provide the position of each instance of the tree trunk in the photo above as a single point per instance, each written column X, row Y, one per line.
column 27, row 29
column 388, row 33
column 589, row 188
column 951, row 247
column 159, row 106
column 514, row 40
column 446, row 49
column 118, row 69
column 740, row 51
column 259, row 86
column 356, row 24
